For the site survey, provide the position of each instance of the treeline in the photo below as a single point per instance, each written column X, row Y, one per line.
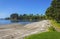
column 53, row 12
column 27, row 17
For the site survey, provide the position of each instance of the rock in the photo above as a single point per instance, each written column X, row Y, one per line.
column 12, row 32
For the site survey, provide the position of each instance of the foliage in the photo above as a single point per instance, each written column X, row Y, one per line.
column 30, row 17
column 52, row 29
column 45, row 35
column 55, row 23
column 14, row 16
column 53, row 12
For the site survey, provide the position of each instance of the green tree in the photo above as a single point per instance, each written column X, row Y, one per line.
column 14, row 16
column 54, row 10
column 25, row 16
column 30, row 17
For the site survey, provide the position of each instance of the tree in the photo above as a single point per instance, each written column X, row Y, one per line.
column 14, row 16
column 25, row 16
column 54, row 10
column 50, row 13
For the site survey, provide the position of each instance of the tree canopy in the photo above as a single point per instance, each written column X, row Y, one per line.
column 53, row 12
column 28, row 17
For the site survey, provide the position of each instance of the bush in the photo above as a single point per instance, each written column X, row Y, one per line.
column 51, row 29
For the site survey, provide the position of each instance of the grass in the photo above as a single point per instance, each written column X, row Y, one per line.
column 45, row 35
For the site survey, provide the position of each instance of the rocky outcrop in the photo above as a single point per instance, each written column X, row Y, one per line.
column 32, row 28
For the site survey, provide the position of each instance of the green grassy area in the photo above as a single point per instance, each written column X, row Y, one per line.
column 45, row 35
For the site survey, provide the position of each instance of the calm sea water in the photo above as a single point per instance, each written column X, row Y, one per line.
column 3, row 22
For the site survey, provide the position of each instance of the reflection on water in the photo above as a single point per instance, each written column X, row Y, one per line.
column 23, row 21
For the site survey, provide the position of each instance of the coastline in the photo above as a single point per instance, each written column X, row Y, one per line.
column 20, row 31
column 13, row 25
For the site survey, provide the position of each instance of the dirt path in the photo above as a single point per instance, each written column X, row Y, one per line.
column 17, row 31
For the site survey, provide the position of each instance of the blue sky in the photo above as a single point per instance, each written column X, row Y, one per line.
column 8, row 7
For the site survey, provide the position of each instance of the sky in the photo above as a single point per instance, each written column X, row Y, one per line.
column 8, row 7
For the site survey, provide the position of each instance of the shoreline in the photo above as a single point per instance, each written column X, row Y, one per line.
column 14, row 25
column 20, row 31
